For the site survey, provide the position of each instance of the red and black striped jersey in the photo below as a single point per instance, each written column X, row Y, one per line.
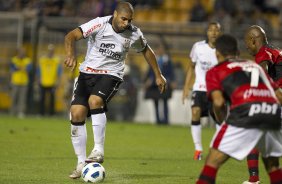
column 273, row 56
column 248, row 90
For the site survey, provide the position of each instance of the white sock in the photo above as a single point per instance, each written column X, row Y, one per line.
column 99, row 131
column 78, row 139
column 204, row 121
column 196, row 131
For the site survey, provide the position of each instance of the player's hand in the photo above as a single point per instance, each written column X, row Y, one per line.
column 161, row 83
column 185, row 95
column 70, row 62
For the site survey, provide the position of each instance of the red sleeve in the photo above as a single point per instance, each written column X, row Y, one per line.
column 212, row 81
column 263, row 56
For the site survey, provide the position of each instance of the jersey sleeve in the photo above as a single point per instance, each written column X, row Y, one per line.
column 263, row 56
column 193, row 53
column 212, row 82
column 91, row 27
column 140, row 42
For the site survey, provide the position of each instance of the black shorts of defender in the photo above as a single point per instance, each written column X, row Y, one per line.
column 200, row 99
column 104, row 86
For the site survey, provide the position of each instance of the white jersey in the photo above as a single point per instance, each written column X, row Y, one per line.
column 107, row 49
column 204, row 57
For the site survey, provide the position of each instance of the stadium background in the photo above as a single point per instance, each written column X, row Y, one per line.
column 176, row 24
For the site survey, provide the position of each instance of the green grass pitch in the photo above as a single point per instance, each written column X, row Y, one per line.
column 38, row 150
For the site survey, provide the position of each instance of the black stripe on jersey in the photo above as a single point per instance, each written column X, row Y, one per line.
column 236, row 79
column 81, row 31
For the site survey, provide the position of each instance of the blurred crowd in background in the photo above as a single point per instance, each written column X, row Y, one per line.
column 175, row 24
column 202, row 10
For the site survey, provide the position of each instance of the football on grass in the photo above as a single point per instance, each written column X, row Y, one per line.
column 93, row 172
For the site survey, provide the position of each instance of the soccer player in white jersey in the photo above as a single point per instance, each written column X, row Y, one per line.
column 109, row 40
column 203, row 58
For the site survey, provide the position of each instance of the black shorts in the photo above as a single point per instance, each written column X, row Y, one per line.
column 104, row 86
column 200, row 99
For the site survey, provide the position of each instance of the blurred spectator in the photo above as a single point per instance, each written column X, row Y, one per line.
column 223, row 18
column 146, row 3
column 198, row 13
column 20, row 68
column 32, row 9
column 124, row 103
column 7, row 5
column 268, row 6
column 179, row 73
column 227, row 6
column 69, row 9
column 135, row 73
column 91, row 9
column 49, row 72
column 151, row 89
column 109, row 7
column 53, row 7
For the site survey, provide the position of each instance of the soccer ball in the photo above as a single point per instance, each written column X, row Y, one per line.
column 93, row 172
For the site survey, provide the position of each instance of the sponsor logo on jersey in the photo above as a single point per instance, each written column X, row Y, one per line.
column 206, row 65
column 257, row 93
column 263, row 108
column 106, row 50
column 89, row 31
column 101, row 93
column 126, row 44
column 88, row 69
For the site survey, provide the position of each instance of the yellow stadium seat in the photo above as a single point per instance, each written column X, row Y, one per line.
column 170, row 4
column 141, row 15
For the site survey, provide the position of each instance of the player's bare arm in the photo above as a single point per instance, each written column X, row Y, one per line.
column 70, row 39
column 264, row 65
column 278, row 93
column 218, row 105
column 151, row 59
column 188, row 83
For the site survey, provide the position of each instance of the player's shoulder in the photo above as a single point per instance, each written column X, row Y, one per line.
column 133, row 28
column 133, row 32
column 200, row 43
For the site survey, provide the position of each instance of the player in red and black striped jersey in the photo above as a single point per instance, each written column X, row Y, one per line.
column 266, row 55
column 253, row 113
column 270, row 58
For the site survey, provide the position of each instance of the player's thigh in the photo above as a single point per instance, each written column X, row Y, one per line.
column 234, row 141
column 106, row 87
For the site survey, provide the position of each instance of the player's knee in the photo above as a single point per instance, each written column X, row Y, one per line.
column 76, row 116
column 196, row 112
column 95, row 102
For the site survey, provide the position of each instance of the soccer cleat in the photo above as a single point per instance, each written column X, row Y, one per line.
column 198, row 155
column 247, row 182
column 95, row 156
column 77, row 172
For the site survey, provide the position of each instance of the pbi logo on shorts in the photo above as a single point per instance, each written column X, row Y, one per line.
column 263, row 108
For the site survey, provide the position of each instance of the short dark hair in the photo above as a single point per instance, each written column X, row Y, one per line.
column 124, row 6
column 227, row 45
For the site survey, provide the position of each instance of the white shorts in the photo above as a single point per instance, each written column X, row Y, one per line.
column 238, row 142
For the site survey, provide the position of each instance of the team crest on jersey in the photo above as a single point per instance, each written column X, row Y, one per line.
column 126, row 44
